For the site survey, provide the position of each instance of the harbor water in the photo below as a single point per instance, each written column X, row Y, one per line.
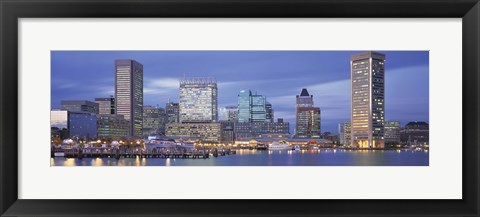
column 322, row 157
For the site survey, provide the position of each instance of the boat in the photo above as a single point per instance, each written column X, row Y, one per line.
column 297, row 148
column 279, row 146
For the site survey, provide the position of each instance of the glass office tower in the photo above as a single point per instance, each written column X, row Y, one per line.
column 367, row 100
column 244, row 106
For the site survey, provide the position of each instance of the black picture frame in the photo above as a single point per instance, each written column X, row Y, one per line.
column 12, row 10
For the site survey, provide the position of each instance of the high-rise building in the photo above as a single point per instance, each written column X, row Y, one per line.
column 153, row 120
column 344, row 133
column 79, row 106
column 253, row 107
column 129, row 93
column 307, row 117
column 198, row 100
column 392, row 132
column 173, row 112
column 348, row 133
column 269, row 112
column 106, row 106
column 367, row 99
column 244, row 106
column 341, row 133
column 198, row 111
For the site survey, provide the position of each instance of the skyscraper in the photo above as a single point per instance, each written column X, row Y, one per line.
column 367, row 99
column 307, row 117
column 269, row 112
column 198, row 111
column 106, row 106
column 244, row 106
column 129, row 93
column 253, row 107
column 198, row 100
column 259, row 111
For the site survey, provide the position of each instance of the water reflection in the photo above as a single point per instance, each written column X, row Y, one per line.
column 322, row 157
column 70, row 162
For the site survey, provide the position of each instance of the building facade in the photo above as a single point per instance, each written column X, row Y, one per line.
column 77, row 125
column 251, row 130
column 253, row 107
column 198, row 100
column 111, row 126
column 228, row 132
column 154, row 120
column 106, row 106
column 344, row 133
column 367, row 100
column 392, row 132
column 244, row 106
column 79, row 106
column 205, row 132
column 228, row 113
column 308, row 120
column 173, row 112
column 415, row 133
column 129, row 93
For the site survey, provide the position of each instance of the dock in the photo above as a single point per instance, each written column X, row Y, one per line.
column 134, row 153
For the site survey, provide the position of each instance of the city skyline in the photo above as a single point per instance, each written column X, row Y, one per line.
column 278, row 75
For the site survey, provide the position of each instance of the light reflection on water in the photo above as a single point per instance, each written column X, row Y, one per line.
column 324, row 157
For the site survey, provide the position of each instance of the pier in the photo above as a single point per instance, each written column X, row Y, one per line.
column 134, row 153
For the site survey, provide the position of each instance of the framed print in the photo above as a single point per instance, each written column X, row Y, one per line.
column 229, row 108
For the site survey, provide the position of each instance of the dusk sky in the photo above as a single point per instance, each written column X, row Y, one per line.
column 278, row 75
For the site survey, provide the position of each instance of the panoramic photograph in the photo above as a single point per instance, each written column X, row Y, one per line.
column 239, row 108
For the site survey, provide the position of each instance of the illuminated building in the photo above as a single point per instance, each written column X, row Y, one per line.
column 206, row 132
column 198, row 111
column 253, row 107
column 228, row 113
column 392, row 132
column 106, row 106
column 111, row 126
column 415, row 133
column 198, row 100
column 367, row 100
column 154, row 119
column 173, row 114
column 79, row 106
column 248, row 130
column 345, row 133
column 308, row 123
column 80, row 125
column 129, row 93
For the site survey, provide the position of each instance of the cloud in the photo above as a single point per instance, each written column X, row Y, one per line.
column 160, row 86
column 163, row 83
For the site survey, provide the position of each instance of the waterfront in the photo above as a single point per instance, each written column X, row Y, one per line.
column 322, row 157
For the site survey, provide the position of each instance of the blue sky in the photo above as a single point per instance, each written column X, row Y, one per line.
column 278, row 75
